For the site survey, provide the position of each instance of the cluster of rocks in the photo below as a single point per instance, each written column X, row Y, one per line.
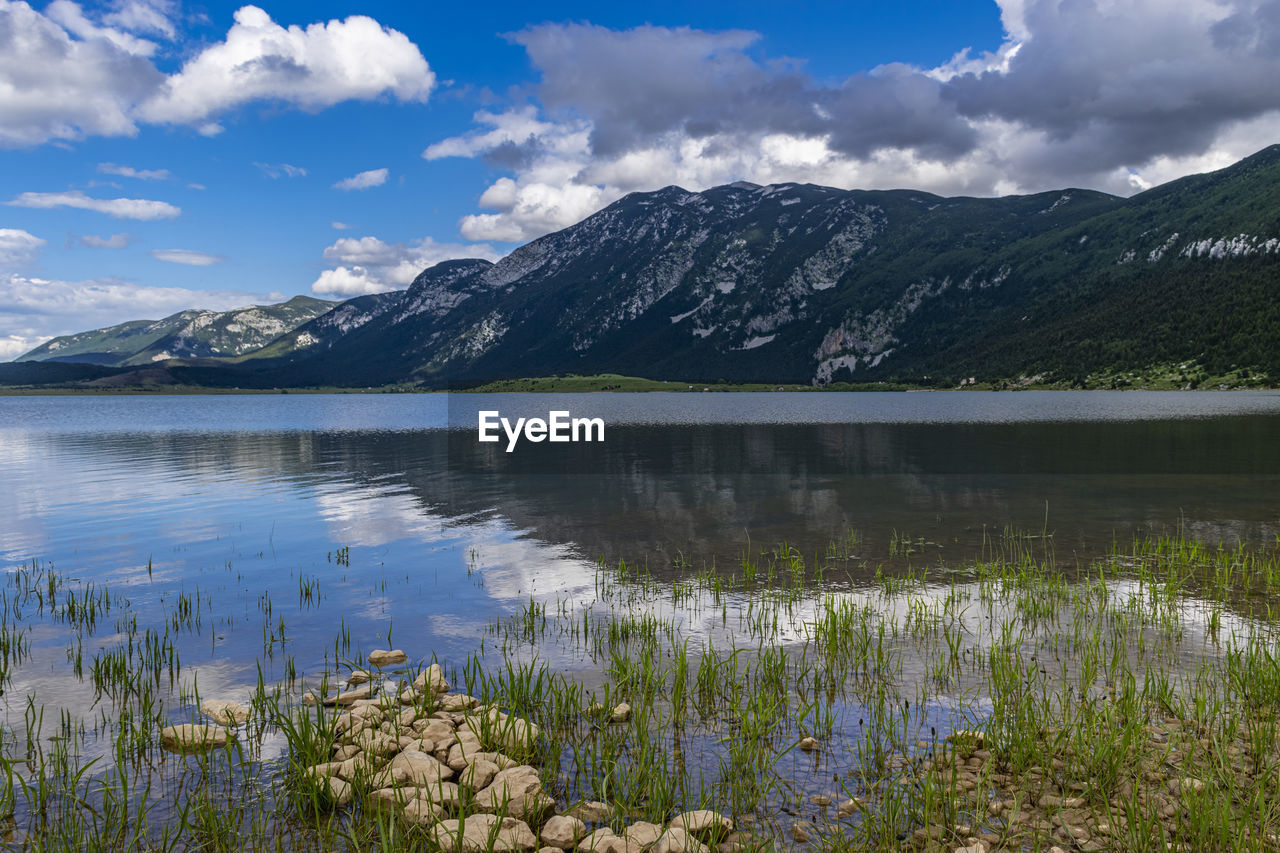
column 444, row 762
column 201, row 737
column 1038, row 807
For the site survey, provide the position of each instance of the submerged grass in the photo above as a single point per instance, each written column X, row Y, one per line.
column 1130, row 704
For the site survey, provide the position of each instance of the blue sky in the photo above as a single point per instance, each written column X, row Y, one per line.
column 159, row 155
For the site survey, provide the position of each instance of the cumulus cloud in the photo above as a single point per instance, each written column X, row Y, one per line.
column 53, row 86
column 74, row 21
column 281, row 170
column 32, row 310
column 115, row 241
column 130, row 172
column 368, row 265
column 1071, row 97
column 312, row 68
column 363, row 180
column 66, row 74
column 121, row 208
column 18, row 247
column 187, row 257
column 138, row 16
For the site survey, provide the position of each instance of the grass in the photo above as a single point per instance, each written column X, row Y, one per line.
column 1132, row 703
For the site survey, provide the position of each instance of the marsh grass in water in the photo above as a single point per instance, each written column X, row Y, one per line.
column 1011, row 703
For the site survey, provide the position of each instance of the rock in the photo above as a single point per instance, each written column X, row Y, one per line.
column 1052, row 801
column 338, row 791
column 603, row 840
column 388, row 801
column 458, row 702
column 441, row 732
column 1185, row 785
column 224, row 712
column 350, row 697
column 515, row 790
column 189, row 737
column 444, row 794
column 504, row 733
column 676, row 840
column 562, row 831
column 968, row 738
column 847, row 807
column 473, row 834
column 800, row 833
column 821, row 800
column 321, row 771
column 703, row 823
column 809, row 744
column 591, row 811
column 358, row 677
column 377, row 744
column 478, row 774
column 643, row 833
column 976, row 847
column 431, row 680
column 412, row 768
column 740, row 842
column 382, row 657
column 420, row 812
column 620, row 713
column 310, row 699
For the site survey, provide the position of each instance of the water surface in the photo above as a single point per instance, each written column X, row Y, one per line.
column 245, row 497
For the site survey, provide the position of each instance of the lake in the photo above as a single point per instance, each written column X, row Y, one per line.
column 245, row 494
column 285, row 520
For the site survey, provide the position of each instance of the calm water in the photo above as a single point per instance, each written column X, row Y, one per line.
column 241, row 497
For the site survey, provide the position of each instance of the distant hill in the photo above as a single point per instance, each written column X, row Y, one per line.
column 795, row 283
column 187, row 334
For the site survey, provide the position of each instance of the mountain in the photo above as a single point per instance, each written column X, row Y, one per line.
column 796, row 282
column 802, row 283
column 188, row 334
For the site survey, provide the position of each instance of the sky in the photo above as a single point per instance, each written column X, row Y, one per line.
column 158, row 155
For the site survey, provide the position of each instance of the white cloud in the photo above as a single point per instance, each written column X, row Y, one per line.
column 18, row 247
column 363, row 181
column 121, row 208
column 1071, row 98
column 281, row 170
column 115, row 241
column 339, row 226
column 73, row 20
column 32, row 310
column 143, row 17
column 186, row 257
column 66, row 74
column 312, row 68
column 348, row 282
column 12, row 346
column 130, row 172
column 368, row 265
column 55, row 87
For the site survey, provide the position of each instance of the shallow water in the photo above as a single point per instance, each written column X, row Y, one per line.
column 291, row 519
column 245, row 496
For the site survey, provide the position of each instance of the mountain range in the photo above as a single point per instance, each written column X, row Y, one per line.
column 799, row 283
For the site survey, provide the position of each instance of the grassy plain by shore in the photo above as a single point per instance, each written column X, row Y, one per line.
column 1011, row 703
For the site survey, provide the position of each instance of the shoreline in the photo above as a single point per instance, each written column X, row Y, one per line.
column 1009, row 704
